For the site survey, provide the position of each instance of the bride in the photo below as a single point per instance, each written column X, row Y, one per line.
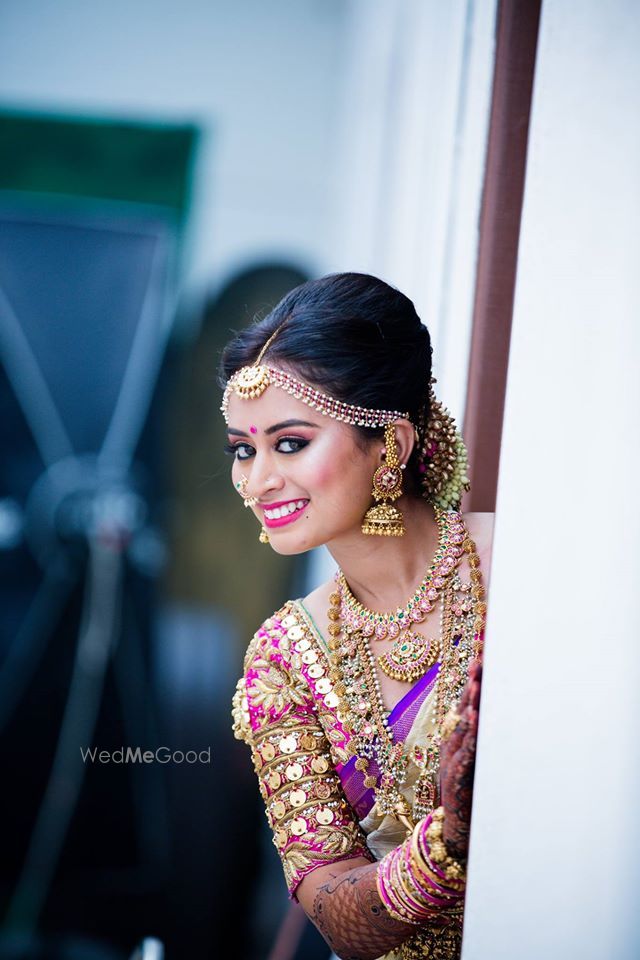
column 360, row 701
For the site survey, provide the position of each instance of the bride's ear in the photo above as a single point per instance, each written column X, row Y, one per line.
column 405, row 439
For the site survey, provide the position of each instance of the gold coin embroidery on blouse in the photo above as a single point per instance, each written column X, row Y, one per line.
column 288, row 744
column 324, row 685
column 278, row 809
column 293, row 771
column 320, row 764
column 298, row 826
column 302, row 645
column 316, row 671
column 309, row 656
column 307, row 741
column 288, row 621
column 280, row 838
column 324, row 816
column 332, row 699
column 323, row 791
column 295, row 633
column 268, row 751
column 297, row 798
column 274, row 780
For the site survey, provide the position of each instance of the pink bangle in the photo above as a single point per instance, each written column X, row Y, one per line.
column 411, row 886
column 431, row 897
column 448, row 870
column 387, row 892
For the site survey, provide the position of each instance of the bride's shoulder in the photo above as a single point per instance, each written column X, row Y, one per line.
column 317, row 602
column 266, row 638
column 265, row 691
column 479, row 524
column 320, row 594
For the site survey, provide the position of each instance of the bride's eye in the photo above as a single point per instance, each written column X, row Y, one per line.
column 291, row 444
column 234, row 450
column 244, row 451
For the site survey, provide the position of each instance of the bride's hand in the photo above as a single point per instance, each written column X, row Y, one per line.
column 457, row 764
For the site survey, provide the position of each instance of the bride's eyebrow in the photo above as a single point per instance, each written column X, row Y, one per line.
column 276, row 427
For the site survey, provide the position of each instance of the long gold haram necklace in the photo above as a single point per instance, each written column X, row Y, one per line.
column 410, row 656
column 356, row 683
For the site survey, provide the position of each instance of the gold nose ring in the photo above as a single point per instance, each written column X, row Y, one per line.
column 242, row 487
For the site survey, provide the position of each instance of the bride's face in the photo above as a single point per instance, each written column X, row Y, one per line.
column 311, row 479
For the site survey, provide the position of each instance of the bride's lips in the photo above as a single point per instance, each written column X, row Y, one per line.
column 289, row 518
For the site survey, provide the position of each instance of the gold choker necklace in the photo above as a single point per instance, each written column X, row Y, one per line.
column 411, row 655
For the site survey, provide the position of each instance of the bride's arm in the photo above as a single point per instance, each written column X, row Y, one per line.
column 357, row 906
column 343, row 902
column 328, row 868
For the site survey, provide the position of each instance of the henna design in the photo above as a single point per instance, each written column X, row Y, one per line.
column 457, row 766
column 349, row 914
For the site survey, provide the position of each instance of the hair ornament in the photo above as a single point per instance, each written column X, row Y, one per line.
column 251, row 381
column 443, row 459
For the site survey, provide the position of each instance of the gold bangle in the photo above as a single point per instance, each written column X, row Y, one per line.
column 399, row 889
column 421, row 865
column 388, row 893
column 452, row 869
column 408, row 884
column 449, row 724
column 448, row 889
column 412, row 891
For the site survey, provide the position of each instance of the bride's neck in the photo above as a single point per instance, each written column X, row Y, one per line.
column 383, row 572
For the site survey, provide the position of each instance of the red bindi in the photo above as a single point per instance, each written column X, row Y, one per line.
column 253, row 429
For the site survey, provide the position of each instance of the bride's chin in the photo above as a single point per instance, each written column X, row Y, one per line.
column 290, row 549
column 290, row 546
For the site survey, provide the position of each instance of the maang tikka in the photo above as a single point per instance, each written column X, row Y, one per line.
column 384, row 519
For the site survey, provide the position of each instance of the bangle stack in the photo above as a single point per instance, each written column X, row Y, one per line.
column 418, row 880
column 452, row 871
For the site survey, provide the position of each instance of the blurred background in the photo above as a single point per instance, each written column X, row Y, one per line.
column 168, row 172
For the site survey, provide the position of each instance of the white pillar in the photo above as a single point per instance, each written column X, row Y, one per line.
column 555, row 840
column 410, row 167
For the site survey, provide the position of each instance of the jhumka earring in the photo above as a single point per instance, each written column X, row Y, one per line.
column 251, row 502
column 383, row 519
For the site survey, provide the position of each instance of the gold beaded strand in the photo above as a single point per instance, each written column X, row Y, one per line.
column 353, row 672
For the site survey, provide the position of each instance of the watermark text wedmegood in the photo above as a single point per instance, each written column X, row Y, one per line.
column 138, row 755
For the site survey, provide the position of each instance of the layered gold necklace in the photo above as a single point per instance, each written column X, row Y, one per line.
column 353, row 668
column 410, row 656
